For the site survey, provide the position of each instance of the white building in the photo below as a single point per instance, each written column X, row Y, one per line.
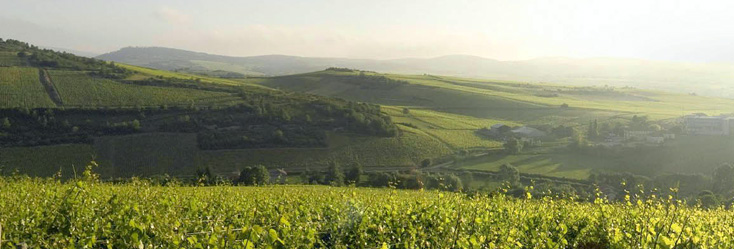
column 709, row 125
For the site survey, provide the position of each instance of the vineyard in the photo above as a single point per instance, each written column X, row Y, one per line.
column 20, row 87
column 79, row 89
column 49, row 214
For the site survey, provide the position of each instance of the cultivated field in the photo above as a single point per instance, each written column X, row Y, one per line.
column 20, row 87
column 80, row 89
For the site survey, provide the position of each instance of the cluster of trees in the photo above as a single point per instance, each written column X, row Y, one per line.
column 360, row 118
column 341, row 69
column 212, row 73
column 513, row 146
column 355, row 175
column 368, row 81
column 33, row 127
column 708, row 190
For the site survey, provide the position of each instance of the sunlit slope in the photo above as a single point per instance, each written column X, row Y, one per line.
column 143, row 72
column 503, row 99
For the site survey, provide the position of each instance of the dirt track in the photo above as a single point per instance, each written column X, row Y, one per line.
column 50, row 87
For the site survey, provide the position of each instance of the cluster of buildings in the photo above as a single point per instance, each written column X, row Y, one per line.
column 697, row 124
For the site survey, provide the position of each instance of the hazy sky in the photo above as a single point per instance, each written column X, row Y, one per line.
column 503, row 29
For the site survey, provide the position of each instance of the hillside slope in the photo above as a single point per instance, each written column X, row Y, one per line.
column 141, row 121
column 702, row 78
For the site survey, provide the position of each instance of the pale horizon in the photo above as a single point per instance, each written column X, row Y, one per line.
column 500, row 30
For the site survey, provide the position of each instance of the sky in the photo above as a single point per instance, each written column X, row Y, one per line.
column 696, row 31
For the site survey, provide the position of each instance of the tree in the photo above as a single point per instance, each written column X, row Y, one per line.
column 380, row 179
column 406, row 111
column 707, row 199
column 257, row 175
column 723, row 178
column 204, row 176
column 334, row 175
column 509, row 173
column 354, row 174
column 453, row 183
column 313, row 177
column 593, row 132
column 6, row 123
column 513, row 146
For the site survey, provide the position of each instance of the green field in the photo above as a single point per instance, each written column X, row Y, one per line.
column 80, row 89
column 46, row 213
column 20, row 87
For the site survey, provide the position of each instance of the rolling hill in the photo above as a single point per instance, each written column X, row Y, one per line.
column 141, row 121
column 701, row 78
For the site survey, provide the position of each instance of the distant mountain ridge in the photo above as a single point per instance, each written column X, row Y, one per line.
column 700, row 78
